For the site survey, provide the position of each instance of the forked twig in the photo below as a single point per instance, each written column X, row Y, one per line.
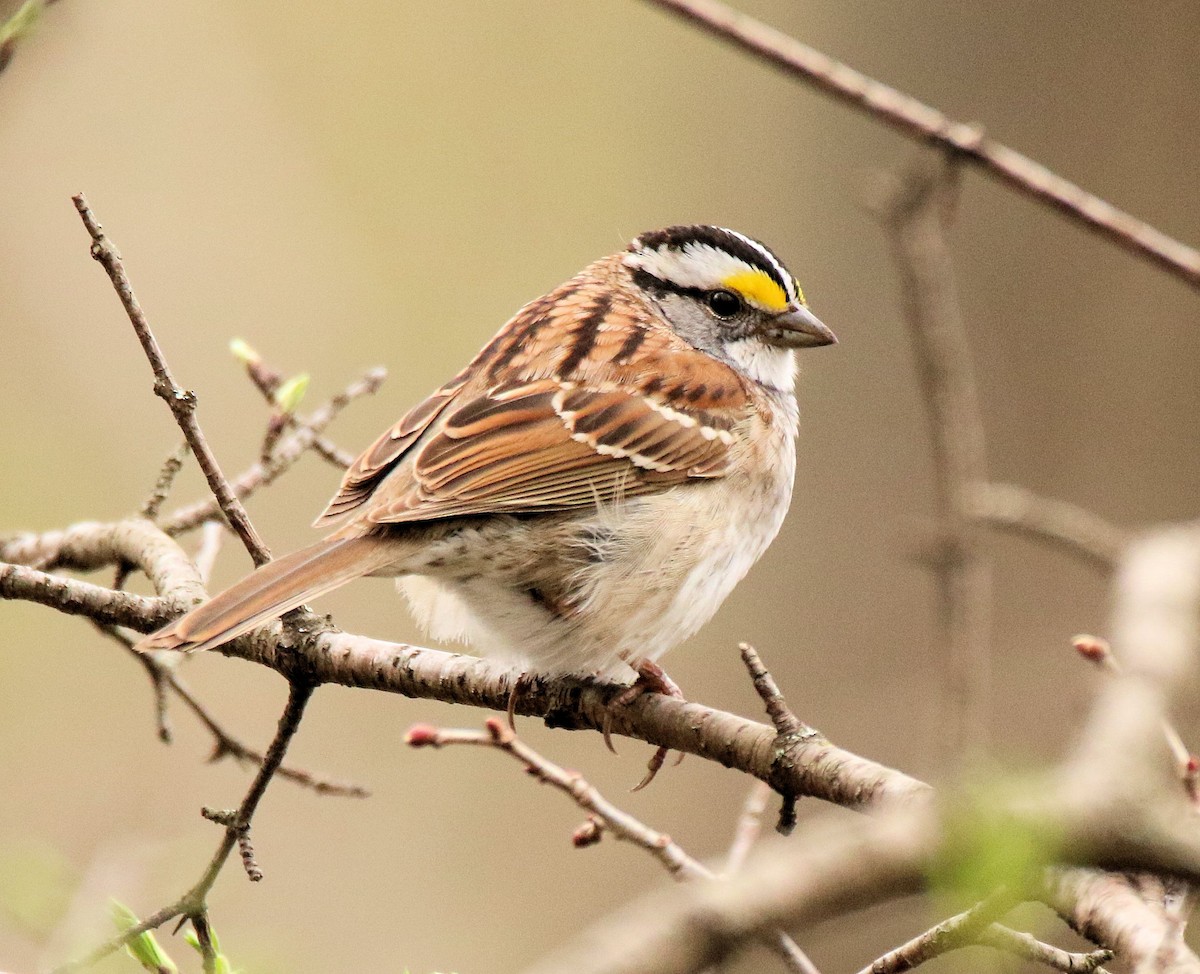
column 291, row 449
column 603, row 814
column 163, row 678
column 181, row 402
column 976, row 926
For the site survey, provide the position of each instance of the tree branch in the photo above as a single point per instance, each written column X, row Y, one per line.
column 181, row 402
column 1087, row 536
column 927, row 124
column 915, row 214
column 603, row 814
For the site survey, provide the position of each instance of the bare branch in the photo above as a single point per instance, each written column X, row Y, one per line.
column 163, row 678
column 789, row 729
column 75, row 597
column 959, row 931
column 749, row 826
column 193, row 905
column 928, row 125
column 1031, row 949
column 166, row 479
column 608, row 816
column 267, row 380
column 812, row 766
column 915, row 214
column 181, row 402
column 974, row 928
column 1008, row 507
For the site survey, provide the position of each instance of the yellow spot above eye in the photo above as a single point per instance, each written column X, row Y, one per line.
column 758, row 287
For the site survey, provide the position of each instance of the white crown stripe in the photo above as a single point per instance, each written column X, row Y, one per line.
column 699, row 264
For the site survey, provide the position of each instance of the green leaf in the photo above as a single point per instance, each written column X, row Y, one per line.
column 988, row 847
column 21, row 23
column 143, row 948
column 289, row 393
column 243, row 352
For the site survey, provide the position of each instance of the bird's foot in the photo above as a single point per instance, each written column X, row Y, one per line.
column 520, row 685
column 651, row 678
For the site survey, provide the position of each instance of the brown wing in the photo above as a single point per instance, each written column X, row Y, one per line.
column 566, row 407
column 551, row 446
column 365, row 474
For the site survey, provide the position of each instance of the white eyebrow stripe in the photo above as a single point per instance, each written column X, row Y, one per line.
column 770, row 260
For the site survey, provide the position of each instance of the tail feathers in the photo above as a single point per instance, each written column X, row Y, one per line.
column 270, row 591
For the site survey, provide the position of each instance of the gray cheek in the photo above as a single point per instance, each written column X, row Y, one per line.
column 693, row 323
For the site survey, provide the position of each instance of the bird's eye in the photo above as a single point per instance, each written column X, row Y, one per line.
column 724, row 304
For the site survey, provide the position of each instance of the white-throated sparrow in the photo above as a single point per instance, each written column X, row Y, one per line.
column 591, row 487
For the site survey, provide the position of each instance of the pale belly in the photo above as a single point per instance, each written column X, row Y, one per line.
column 625, row 583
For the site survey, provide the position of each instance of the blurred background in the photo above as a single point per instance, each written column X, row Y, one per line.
column 385, row 183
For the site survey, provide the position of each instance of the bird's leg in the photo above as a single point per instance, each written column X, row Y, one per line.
column 651, row 678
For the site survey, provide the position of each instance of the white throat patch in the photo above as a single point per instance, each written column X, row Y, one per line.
column 771, row 366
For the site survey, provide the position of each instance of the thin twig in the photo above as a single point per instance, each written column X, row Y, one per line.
column 225, row 745
column 975, row 927
column 958, row 931
column 620, row 823
column 1029, row 948
column 166, row 479
column 181, row 402
column 749, row 826
column 915, row 214
column 267, row 380
column 789, row 729
column 193, row 905
column 286, row 454
column 211, row 536
column 1008, row 507
column 927, row 124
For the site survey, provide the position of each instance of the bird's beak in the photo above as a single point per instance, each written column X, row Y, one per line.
column 797, row 327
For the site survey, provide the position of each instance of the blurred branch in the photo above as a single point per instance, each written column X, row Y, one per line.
column 927, row 124
column 915, row 211
column 1008, row 507
column 181, row 402
column 1108, row 806
column 603, row 814
column 749, row 826
column 1098, row 652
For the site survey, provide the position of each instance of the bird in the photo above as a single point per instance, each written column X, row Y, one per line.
column 584, row 495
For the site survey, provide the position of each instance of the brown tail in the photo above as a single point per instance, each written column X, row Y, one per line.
column 272, row 590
